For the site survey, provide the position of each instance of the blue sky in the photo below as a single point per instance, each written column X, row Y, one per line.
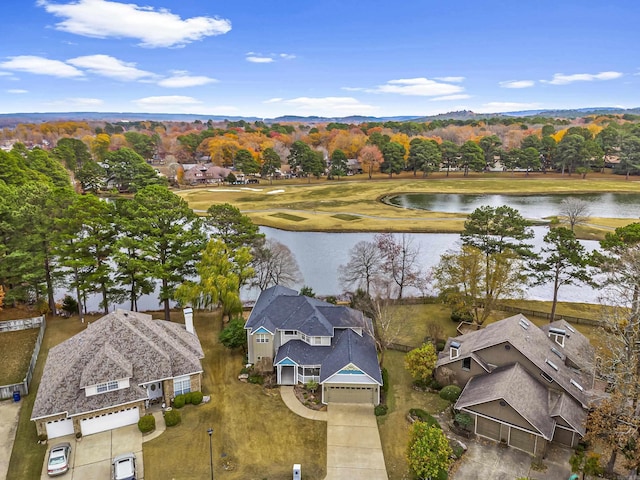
column 331, row 58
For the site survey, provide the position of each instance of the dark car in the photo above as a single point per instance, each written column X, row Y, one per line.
column 59, row 458
column 124, row 467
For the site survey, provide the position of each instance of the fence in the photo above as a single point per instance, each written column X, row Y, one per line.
column 537, row 313
column 6, row 391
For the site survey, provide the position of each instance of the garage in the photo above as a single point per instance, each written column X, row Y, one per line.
column 59, row 428
column 488, row 428
column 350, row 394
column 564, row 436
column 522, row 440
column 109, row 421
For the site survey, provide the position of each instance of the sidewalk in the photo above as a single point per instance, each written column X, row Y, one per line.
column 290, row 400
column 160, row 426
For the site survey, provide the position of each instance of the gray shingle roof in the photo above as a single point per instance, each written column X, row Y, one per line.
column 571, row 412
column 534, row 344
column 129, row 342
column 514, row 385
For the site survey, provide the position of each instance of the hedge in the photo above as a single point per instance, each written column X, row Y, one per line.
column 450, row 393
column 172, row 418
column 147, row 423
column 196, row 398
column 179, row 401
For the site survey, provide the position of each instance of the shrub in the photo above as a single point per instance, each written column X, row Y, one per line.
column 69, row 305
column 179, row 401
column 257, row 379
column 450, row 393
column 381, row 410
column 78, row 435
column 385, row 381
column 147, row 423
column 312, row 386
column 461, row 316
column 196, row 398
column 187, row 398
column 42, row 437
column 423, row 416
column 440, row 345
column 172, row 418
column 464, row 420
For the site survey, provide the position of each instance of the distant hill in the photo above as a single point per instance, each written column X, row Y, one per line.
column 12, row 119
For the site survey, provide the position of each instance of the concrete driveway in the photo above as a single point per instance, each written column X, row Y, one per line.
column 485, row 459
column 354, row 450
column 91, row 456
column 9, row 413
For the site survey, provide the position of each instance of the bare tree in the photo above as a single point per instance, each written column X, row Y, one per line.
column 399, row 260
column 364, row 266
column 575, row 210
column 275, row 264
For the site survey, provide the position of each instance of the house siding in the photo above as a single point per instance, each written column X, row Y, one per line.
column 453, row 373
column 261, row 350
column 505, row 414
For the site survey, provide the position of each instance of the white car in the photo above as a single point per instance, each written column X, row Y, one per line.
column 59, row 458
column 124, row 467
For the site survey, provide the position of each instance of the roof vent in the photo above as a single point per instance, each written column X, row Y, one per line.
column 524, row 324
column 455, row 344
column 551, row 364
column 557, row 331
column 571, row 329
column 576, row 384
column 555, row 350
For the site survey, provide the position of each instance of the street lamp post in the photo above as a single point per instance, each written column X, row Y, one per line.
column 210, row 432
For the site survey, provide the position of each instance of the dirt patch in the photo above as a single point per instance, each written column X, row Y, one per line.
column 16, row 349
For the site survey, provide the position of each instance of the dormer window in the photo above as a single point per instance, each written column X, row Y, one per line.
column 558, row 334
column 107, row 387
column 454, row 350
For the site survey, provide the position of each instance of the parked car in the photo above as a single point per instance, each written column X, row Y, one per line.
column 124, row 467
column 59, row 458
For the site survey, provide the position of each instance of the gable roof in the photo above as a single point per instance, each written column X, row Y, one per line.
column 280, row 308
column 132, row 344
column 532, row 342
column 514, row 385
column 567, row 409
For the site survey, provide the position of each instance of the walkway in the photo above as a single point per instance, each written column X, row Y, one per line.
column 354, row 450
column 9, row 413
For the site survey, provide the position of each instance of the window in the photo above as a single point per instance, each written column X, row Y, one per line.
column 181, row 385
column 317, row 340
column 546, row 377
column 304, row 338
column 290, row 333
column 466, row 363
column 262, row 338
column 107, row 387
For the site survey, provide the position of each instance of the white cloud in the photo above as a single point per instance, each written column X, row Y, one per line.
column 182, row 80
column 111, row 67
column 254, row 59
column 41, row 66
column 451, row 79
column 77, row 102
column 5, row 74
column 325, row 106
column 561, row 79
column 17, row 91
column 415, row 86
column 287, row 56
column 459, row 96
column 517, row 84
column 154, row 28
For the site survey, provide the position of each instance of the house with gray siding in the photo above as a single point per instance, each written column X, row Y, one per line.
column 305, row 339
column 523, row 385
column 108, row 374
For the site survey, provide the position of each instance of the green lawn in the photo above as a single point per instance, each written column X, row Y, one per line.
column 255, row 435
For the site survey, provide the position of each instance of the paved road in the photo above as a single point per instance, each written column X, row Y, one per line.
column 9, row 413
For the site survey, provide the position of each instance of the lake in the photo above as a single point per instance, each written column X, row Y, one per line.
column 618, row 205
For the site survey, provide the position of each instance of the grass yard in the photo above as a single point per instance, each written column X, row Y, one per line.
column 16, row 349
column 255, row 435
column 323, row 203
column 394, row 427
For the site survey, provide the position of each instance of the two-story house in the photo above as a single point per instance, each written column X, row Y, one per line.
column 105, row 376
column 523, row 385
column 306, row 339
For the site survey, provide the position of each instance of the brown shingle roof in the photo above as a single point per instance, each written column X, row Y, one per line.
column 130, row 343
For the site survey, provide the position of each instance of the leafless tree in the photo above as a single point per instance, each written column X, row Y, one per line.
column 575, row 210
column 363, row 268
column 399, row 260
column 275, row 264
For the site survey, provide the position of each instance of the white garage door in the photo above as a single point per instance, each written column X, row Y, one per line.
column 109, row 421
column 350, row 394
column 59, row 428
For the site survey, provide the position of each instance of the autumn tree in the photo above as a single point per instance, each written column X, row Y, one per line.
column 429, row 453
column 370, row 157
column 421, row 361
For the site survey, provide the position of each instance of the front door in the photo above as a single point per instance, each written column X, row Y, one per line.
column 154, row 392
